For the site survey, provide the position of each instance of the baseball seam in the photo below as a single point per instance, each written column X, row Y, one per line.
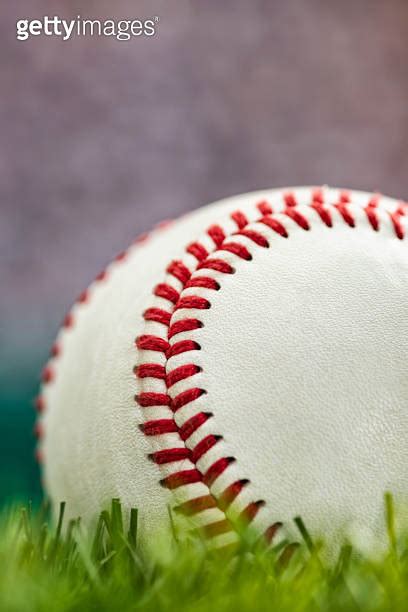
column 188, row 450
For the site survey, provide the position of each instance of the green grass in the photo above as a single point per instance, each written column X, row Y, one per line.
column 44, row 568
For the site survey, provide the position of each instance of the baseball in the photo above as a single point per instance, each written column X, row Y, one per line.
column 247, row 362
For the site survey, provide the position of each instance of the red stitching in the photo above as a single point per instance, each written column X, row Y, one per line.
column 256, row 237
column 152, row 343
column 216, row 264
column 170, row 455
column 198, row 504
column 179, row 479
column 39, row 403
column 297, row 217
column 323, row 213
column 272, row 530
column 193, row 301
column 179, row 271
column 203, row 446
column 157, row 314
column 239, row 218
column 344, row 211
column 396, row 222
column 55, row 350
column 290, row 199
column 216, row 469
column 148, row 399
column 275, row 225
column 182, row 347
column 203, row 281
column 158, row 427
column 185, row 397
column 249, row 513
column 197, row 250
column 264, row 208
column 48, row 375
column 167, row 292
column 184, row 371
column 150, row 370
column 216, row 233
column 83, row 297
column 188, row 396
column 190, row 426
column 231, row 492
column 372, row 216
column 182, row 326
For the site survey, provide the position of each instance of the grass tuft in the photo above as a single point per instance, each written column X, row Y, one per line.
column 56, row 568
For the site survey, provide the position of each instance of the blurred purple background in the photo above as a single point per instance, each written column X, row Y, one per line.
column 101, row 139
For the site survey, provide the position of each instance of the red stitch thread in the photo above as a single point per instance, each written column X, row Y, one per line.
column 344, row 211
column 150, row 370
column 179, row 271
column 121, row 256
column 101, row 276
column 167, row 292
column 158, row 427
column 318, row 196
column 216, row 469
column 179, row 479
column 147, row 399
column 239, row 219
column 157, row 314
column 152, row 343
column 170, row 455
column 182, row 326
column 203, row 281
column 398, row 227
column 190, row 426
column 323, row 213
column 202, row 447
column 184, row 371
column 198, row 504
column 250, row 512
column 197, row 250
column 290, row 199
column 55, row 350
column 237, row 249
column 185, row 397
column 39, row 403
column 231, row 492
column 275, row 225
column 345, row 197
column 255, row 237
column 216, row 264
column 372, row 216
column 68, row 320
column 193, row 301
column 264, row 208
column 48, row 375
column 183, row 347
column 297, row 217
column 83, row 297
column 216, row 233
column 271, row 531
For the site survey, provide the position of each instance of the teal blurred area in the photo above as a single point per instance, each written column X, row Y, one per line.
column 101, row 139
column 19, row 473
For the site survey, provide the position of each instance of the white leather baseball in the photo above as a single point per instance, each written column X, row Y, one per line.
column 270, row 372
